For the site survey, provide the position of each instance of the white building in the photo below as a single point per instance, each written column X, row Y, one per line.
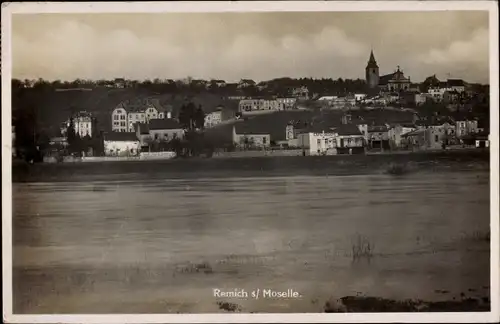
column 301, row 93
column 165, row 129
column 83, row 124
column 249, row 105
column 465, row 127
column 437, row 93
column 327, row 98
column 121, row 144
column 287, row 103
column 249, row 135
column 397, row 132
column 214, row 118
column 359, row 96
column 343, row 139
column 127, row 113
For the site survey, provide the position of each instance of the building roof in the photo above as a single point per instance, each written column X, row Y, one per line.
column 120, row 136
column 348, row 129
column 414, row 133
column 383, row 116
column 274, row 123
column 157, row 124
column 397, row 76
column 143, row 127
column 372, row 63
column 83, row 113
column 377, row 129
column 432, row 80
column 456, row 83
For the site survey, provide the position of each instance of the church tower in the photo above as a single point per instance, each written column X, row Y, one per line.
column 372, row 76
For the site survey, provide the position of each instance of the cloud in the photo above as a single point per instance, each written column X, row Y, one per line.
column 467, row 56
column 258, row 46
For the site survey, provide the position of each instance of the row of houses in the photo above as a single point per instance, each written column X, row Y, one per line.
column 337, row 133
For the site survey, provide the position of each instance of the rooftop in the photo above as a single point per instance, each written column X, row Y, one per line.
column 120, row 137
column 144, row 128
column 156, row 124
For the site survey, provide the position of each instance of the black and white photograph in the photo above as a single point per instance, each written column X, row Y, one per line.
column 241, row 161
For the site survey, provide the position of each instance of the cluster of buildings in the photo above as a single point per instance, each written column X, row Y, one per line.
column 397, row 88
column 352, row 133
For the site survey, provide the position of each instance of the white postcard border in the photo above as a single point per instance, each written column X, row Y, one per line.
column 109, row 7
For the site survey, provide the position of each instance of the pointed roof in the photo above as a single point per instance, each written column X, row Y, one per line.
column 372, row 63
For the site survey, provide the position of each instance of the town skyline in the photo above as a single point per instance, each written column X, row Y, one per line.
column 234, row 46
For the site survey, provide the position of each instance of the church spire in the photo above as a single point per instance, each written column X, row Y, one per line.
column 372, row 63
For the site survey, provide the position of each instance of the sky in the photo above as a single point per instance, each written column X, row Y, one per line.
column 259, row 46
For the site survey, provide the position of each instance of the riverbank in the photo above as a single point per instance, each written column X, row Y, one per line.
column 364, row 304
column 299, row 152
column 271, row 166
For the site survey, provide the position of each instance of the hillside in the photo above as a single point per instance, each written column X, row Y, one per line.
column 53, row 107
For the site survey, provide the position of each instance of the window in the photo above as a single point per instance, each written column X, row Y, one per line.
column 122, row 117
column 319, row 142
column 156, row 137
column 264, row 140
column 436, row 138
column 122, row 124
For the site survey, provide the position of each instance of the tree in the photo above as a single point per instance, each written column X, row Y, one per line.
column 71, row 135
column 187, row 116
column 199, row 118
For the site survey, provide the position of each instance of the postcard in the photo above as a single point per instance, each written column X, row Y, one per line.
column 279, row 161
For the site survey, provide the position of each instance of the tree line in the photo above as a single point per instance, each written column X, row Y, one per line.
column 279, row 86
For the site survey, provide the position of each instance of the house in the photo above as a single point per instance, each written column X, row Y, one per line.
column 119, row 119
column 301, row 93
column 127, row 113
column 378, row 137
column 215, row 84
column 452, row 96
column 165, row 129
column 457, row 85
column 359, row 96
column 396, row 132
column 121, row 144
column 246, row 135
column 262, row 85
column 213, row 118
column 119, row 83
column 220, row 83
column 424, row 138
column 245, row 83
column 421, row 98
column 327, row 98
column 259, row 104
column 83, row 124
column 342, row 139
column 341, row 103
column 287, row 103
column 465, row 127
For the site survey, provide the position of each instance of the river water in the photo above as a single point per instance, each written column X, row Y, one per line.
column 94, row 242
